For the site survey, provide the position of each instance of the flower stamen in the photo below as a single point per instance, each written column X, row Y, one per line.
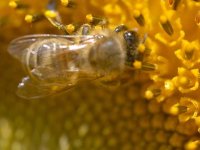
column 33, row 18
column 17, row 4
column 139, row 18
column 166, row 25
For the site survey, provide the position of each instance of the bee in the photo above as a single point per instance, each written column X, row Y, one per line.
column 57, row 63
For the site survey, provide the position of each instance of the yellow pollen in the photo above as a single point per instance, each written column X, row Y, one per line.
column 136, row 13
column 141, row 48
column 70, row 28
column 50, row 13
column 64, row 2
column 139, row 17
column 89, row 17
column 163, row 19
column 181, row 71
column 169, row 85
column 166, row 25
column 183, row 80
column 29, row 18
column 98, row 27
column 192, row 145
column 137, row 64
column 149, row 94
column 13, row 4
column 174, row 110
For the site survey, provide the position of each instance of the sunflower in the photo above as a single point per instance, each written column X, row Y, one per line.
column 159, row 107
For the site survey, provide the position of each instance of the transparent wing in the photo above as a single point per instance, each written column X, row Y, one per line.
column 30, row 89
column 18, row 46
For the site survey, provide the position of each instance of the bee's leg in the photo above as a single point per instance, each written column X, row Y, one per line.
column 136, row 51
column 131, row 39
column 121, row 28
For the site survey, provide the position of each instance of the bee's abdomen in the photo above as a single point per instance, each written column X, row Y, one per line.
column 51, row 59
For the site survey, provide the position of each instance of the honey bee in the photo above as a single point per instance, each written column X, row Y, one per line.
column 57, row 63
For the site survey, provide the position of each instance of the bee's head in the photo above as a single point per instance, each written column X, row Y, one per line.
column 108, row 55
column 132, row 41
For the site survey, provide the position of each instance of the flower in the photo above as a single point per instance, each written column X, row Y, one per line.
column 157, row 108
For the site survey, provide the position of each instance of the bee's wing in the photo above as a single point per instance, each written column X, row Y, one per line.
column 30, row 89
column 19, row 45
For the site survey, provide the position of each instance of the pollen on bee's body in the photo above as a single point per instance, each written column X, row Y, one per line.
column 139, row 18
column 166, row 25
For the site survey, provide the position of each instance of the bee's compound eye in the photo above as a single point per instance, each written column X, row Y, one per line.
column 107, row 55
